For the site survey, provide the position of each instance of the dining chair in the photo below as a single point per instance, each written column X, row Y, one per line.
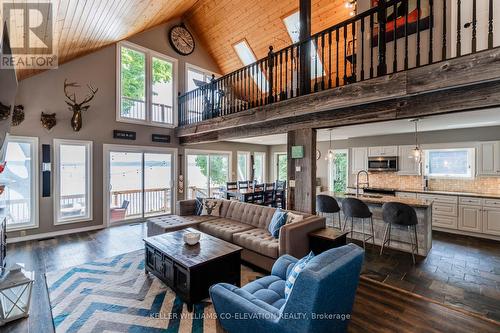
column 243, row 185
column 232, row 186
column 280, row 194
column 268, row 194
column 258, row 195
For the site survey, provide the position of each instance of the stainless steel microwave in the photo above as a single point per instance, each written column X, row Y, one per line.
column 383, row 163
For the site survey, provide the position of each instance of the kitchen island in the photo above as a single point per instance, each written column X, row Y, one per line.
column 423, row 209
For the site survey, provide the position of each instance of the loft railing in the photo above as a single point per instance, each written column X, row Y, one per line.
column 374, row 43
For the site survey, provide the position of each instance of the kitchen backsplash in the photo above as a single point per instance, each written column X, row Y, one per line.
column 486, row 185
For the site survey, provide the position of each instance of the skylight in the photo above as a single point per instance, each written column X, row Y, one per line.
column 247, row 57
column 292, row 24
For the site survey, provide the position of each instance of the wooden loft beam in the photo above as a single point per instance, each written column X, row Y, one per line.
column 460, row 84
column 484, row 95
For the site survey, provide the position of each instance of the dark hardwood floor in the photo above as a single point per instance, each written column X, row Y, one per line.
column 461, row 271
column 377, row 308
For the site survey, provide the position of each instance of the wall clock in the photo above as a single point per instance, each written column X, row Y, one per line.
column 181, row 39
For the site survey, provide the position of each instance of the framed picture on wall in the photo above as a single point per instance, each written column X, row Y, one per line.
column 397, row 19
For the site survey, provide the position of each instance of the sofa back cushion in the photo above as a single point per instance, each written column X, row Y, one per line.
column 257, row 216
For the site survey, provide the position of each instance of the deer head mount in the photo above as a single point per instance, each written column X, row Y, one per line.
column 74, row 106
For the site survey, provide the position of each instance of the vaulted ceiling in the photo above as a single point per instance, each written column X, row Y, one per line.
column 84, row 26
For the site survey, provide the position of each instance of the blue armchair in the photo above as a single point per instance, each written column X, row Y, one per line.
column 321, row 299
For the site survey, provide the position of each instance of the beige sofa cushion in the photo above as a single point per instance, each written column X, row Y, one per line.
column 257, row 216
column 258, row 240
column 223, row 228
column 162, row 224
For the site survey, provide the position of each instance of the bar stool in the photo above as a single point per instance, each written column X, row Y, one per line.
column 326, row 204
column 355, row 208
column 400, row 214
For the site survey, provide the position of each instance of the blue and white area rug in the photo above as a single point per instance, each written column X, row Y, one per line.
column 115, row 295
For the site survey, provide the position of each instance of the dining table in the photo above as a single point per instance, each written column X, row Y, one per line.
column 242, row 195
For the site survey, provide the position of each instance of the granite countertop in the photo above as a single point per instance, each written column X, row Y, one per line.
column 461, row 194
column 381, row 199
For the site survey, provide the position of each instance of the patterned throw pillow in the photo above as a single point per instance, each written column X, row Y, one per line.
column 278, row 220
column 198, row 208
column 292, row 218
column 294, row 273
column 211, row 207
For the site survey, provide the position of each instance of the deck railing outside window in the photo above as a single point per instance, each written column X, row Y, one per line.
column 394, row 36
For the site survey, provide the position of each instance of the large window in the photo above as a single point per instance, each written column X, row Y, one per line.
column 20, row 197
column 73, row 181
column 292, row 23
column 197, row 76
column 146, row 86
column 259, row 166
column 338, row 171
column 243, row 166
column 281, row 166
column 450, row 163
column 207, row 173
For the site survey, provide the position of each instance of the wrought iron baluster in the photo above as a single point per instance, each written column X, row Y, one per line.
column 362, row 49
column 419, row 12
column 371, row 45
column 490, row 25
column 459, row 28
column 395, row 39
column 286, row 74
column 474, row 26
column 322, row 60
column 354, row 55
column 431, row 31
column 406, row 36
column 329, row 59
column 345, row 54
column 445, row 27
column 337, row 80
column 315, row 56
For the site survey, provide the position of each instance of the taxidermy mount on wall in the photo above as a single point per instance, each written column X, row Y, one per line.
column 74, row 106
column 48, row 120
column 18, row 115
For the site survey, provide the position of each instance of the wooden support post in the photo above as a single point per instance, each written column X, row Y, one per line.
column 305, row 46
column 302, row 171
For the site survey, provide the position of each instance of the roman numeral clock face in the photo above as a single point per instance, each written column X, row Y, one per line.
column 181, row 40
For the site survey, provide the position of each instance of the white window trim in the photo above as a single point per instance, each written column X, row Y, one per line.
column 149, row 98
column 472, row 160
column 106, row 149
column 89, row 181
column 264, row 163
column 33, row 141
column 199, row 70
column 248, row 166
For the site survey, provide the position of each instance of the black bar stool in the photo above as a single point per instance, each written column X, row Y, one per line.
column 326, row 204
column 403, row 215
column 355, row 208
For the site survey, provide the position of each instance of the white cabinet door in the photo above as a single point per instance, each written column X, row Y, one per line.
column 489, row 159
column 470, row 218
column 359, row 159
column 407, row 165
column 491, row 221
column 383, row 151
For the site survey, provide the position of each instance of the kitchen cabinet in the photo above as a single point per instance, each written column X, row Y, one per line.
column 383, row 151
column 444, row 210
column 488, row 159
column 491, row 221
column 470, row 218
column 359, row 159
column 407, row 165
column 406, row 195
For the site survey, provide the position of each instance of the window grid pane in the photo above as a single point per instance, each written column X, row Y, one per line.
column 133, row 84
column 162, row 91
column 242, row 167
column 449, row 163
column 73, row 171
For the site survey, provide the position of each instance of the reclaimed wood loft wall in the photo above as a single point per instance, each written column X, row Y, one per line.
column 221, row 24
column 84, row 26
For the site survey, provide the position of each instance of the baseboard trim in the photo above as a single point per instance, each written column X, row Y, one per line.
column 467, row 233
column 11, row 240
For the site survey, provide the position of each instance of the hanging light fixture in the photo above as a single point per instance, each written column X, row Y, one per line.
column 416, row 152
column 330, row 155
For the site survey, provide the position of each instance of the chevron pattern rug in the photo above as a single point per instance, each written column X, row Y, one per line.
column 115, row 295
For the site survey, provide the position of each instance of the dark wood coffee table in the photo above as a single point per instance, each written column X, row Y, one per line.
column 325, row 239
column 190, row 270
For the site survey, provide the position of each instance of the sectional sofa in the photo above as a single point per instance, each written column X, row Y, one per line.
column 245, row 225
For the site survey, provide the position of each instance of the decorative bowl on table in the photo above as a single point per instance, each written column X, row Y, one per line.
column 191, row 238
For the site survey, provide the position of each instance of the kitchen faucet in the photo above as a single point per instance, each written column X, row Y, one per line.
column 367, row 183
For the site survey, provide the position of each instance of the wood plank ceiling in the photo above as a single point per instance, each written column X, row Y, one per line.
column 84, row 26
column 222, row 23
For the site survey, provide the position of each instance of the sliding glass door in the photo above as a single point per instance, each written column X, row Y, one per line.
column 140, row 182
column 206, row 173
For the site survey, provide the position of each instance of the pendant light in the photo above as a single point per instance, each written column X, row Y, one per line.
column 416, row 152
column 330, row 155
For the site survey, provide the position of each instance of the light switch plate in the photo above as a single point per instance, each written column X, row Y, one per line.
column 298, row 168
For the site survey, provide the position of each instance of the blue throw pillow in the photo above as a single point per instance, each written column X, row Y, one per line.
column 278, row 220
column 294, row 273
column 198, row 208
